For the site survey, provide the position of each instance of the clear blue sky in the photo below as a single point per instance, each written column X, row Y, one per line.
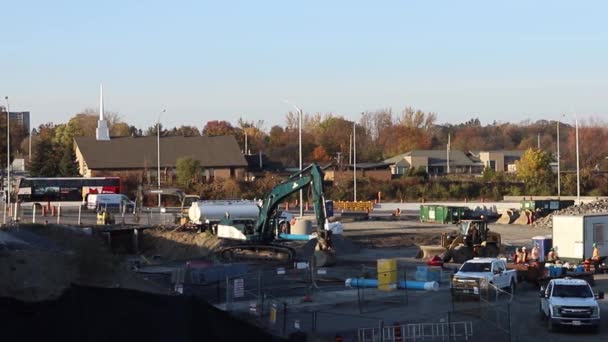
column 210, row 60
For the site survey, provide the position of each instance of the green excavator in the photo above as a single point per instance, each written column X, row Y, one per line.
column 260, row 234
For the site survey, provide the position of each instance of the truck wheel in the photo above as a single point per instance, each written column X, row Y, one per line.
column 550, row 325
column 541, row 313
column 462, row 253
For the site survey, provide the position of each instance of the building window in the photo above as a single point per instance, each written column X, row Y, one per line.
column 492, row 164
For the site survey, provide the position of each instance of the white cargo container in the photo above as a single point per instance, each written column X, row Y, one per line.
column 574, row 236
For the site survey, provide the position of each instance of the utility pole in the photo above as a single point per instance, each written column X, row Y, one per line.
column 8, row 158
column 578, row 172
column 538, row 141
column 158, row 153
column 301, row 204
column 448, row 152
column 30, row 146
column 350, row 149
column 559, row 192
column 355, row 161
column 246, row 147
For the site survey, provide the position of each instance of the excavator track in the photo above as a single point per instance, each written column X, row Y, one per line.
column 257, row 252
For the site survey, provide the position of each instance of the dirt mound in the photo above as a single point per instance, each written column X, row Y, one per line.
column 56, row 257
column 179, row 245
column 596, row 207
column 399, row 240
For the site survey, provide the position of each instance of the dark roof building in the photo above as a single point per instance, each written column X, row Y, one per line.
column 139, row 153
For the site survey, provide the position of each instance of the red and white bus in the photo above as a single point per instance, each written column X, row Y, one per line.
column 69, row 190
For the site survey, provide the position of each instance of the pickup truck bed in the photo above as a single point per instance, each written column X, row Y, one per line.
column 536, row 273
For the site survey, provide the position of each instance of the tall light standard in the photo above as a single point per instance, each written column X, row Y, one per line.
column 559, row 191
column 354, row 161
column 578, row 172
column 299, row 111
column 158, row 152
column 8, row 157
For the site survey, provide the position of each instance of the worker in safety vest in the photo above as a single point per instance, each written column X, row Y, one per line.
column 596, row 258
column 596, row 252
column 517, row 255
column 552, row 256
column 524, row 255
column 534, row 253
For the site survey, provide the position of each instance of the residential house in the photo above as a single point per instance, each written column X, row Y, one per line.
column 435, row 162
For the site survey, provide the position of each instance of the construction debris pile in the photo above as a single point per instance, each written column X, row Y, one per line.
column 596, row 207
column 50, row 258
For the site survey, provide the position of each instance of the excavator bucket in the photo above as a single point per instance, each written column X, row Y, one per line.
column 506, row 217
column 524, row 217
column 324, row 258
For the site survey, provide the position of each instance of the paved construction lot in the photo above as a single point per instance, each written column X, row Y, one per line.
column 343, row 311
column 321, row 303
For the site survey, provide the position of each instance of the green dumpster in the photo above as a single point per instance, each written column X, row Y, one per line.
column 442, row 214
column 545, row 206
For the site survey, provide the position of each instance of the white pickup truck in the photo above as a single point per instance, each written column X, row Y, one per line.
column 570, row 302
column 476, row 275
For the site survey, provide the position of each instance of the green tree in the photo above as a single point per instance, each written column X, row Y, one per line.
column 187, row 168
column 534, row 169
column 67, row 164
column 44, row 160
column 488, row 174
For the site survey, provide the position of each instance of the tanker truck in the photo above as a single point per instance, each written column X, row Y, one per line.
column 205, row 215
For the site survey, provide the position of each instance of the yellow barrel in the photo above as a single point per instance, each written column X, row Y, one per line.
column 387, row 274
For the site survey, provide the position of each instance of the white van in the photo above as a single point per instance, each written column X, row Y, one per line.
column 111, row 202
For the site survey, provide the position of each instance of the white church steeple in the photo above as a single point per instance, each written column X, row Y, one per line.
column 102, row 133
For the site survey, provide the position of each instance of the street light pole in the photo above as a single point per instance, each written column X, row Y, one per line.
column 8, row 157
column 578, row 172
column 158, row 153
column 559, row 192
column 300, row 142
column 355, row 161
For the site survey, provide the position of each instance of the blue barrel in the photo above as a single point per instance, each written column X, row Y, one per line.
column 544, row 245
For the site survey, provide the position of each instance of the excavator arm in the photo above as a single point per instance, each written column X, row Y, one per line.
column 310, row 176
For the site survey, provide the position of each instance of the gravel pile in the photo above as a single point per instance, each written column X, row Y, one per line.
column 596, row 207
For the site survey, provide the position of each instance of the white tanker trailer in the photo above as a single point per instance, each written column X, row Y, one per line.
column 206, row 214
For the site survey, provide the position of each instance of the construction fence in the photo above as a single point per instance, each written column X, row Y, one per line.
column 77, row 215
column 301, row 298
column 316, row 302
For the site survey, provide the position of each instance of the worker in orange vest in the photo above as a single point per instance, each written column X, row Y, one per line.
column 596, row 259
column 534, row 253
column 552, row 256
column 517, row 256
column 524, row 255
